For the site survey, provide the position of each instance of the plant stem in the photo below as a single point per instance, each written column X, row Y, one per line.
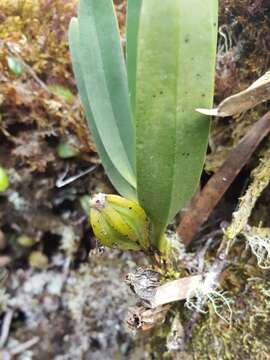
column 205, row 202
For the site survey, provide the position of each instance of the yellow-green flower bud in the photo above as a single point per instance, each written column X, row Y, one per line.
column 119, row 222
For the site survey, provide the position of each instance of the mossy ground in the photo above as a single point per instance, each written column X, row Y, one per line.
column 247, row 335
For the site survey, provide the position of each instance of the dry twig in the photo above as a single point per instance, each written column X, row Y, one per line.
column 203, row 205
column 5, row 352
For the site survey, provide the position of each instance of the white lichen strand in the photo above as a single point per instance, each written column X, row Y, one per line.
column 206, row 292
column 259, row 241
column 261, row 179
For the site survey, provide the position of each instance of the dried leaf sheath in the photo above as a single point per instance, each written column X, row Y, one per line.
column 255, row 94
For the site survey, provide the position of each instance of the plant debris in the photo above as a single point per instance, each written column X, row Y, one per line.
column 256, row 93
column 204, row 203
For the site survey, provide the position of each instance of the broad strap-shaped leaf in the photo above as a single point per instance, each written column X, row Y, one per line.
column 132, row 26
column 121, row 185
column 105, row 79
column 175, row 75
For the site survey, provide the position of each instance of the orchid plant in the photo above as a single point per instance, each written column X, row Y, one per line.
column 140, row 108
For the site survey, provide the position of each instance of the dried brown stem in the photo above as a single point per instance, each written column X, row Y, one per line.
column 203, row 205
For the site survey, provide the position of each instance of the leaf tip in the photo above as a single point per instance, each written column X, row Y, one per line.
column 209, row 112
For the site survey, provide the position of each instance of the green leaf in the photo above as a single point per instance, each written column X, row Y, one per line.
column 132, row 26
column 62, row 92
column 175, row 75
column 105, row 79
column 15, row 66
column 4, row 180
column 122, row 186
column 66, row 151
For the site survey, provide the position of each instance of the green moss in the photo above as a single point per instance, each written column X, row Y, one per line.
column 248, row 335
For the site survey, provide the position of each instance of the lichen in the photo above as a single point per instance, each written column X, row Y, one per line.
column 260, row 179
column 258, row 240
column 247, row 336
column 97, row 302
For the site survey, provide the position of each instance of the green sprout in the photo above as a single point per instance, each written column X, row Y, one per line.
column 141, row 113
column 66, row 151
column 4, row 180
column 15, row 66
column 62, row 92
